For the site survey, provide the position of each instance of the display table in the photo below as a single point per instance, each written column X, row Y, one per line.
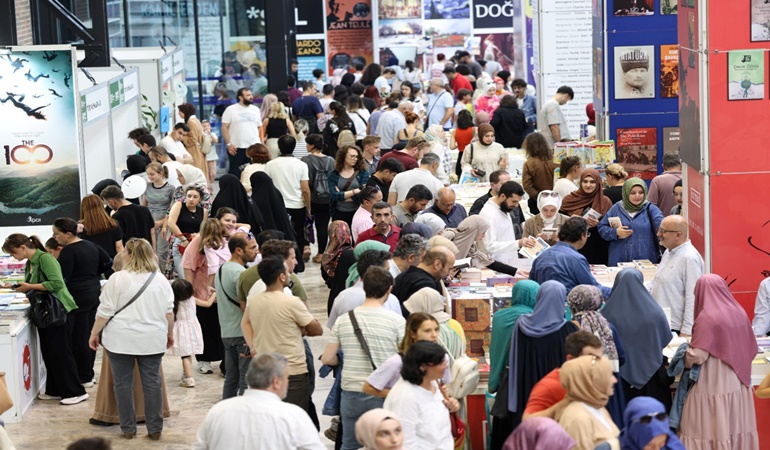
column 22, row 363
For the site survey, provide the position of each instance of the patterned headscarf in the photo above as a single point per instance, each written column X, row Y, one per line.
column 340, row 239
column 585, row 301
column 627, row 186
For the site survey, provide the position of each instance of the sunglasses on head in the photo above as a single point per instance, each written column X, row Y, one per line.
column 646, row 420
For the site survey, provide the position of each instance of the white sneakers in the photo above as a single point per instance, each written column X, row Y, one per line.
column 89, row 384
column 187, row 382
column 74, row 400
column 205, row 367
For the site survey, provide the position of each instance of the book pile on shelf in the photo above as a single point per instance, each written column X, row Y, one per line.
column 13, row 307
column 590, row 153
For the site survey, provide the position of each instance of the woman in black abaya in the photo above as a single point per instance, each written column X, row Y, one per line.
column 233, row 195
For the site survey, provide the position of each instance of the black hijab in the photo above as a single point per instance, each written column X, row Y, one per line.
column 100, row 186
column 136, row 165
column 233, row 195
column 270, row 201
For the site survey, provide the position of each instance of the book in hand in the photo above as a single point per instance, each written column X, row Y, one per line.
column 534, row 252
column 594, row 214
column 463, row 263
column 550, row 231
column 615, row 222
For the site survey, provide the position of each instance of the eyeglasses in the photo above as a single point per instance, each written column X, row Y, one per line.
column 545, row 194
column 664, row 231
column 646, row 420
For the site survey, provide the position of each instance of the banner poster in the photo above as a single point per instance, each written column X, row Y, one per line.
column 669, row 71
column 400, row 32
column 448, row 35
column 634, row 7
column 349, row 33
column 670, row 140
column 633, row 77
column 39, row 174
column 598, row 73
column 492, row 14
column 760, row 20
column 668, row 6
column 637, row 150
column 447, row 9
column 399, row 9
column 310, row 56
column 746, row 74
column 498, row 47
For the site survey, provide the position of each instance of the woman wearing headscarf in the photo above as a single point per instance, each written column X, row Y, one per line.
column 419, row 229
column 647, row 426
column 488, row 100
column 640, row 219
column 537, row 347
column 432, row 221
column 642, row 325
column 718, row 412
column 233, row 195
column 468, row 238
column 189, row 175
column 379, row 429
column 486, row 154
column 451, row 334
column 549, row 204
column 539, row 433
column 589, row 383
column 523, row 296
column 587, row 197
column 337, row 257
column 136, row 165
column 585, row 301
column 353, row 274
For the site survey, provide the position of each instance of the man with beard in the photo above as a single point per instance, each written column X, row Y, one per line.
column 240, row 129
column 382, row 231
column 500, row 240
column 416, row 200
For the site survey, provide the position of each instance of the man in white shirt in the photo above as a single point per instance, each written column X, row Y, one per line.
column 240, row 129
column 500, row 240
column 674, row 283
column 551, row 120
column 290, row 177
column 259, row 419
column 382, row 330
column 354, row 296
column 440, row 108
column 173, row 144
column 424, row 175
column 362, row 219
column 390, row 123
column 382, row 83
column 761, row 322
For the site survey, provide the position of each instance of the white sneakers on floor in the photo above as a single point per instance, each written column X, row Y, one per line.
column 187, row 382
column 205, row 367
column 74, row 400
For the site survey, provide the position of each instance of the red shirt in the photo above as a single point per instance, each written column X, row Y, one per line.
column 372, row 234
column 460, row 82
column 407, row 160
column 546, row 393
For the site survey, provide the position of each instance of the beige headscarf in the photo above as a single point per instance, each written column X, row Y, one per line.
column 192, row 175
column 368, row 423
column 428, row 301
column 441, row 241
column 464, row 237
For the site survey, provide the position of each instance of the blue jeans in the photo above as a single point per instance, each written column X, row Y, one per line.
column 352, row 406
column 235, row 366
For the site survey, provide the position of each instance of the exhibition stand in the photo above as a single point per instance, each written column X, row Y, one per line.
column 636, row 81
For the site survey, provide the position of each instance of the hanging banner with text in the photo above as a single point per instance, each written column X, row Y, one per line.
column 310, row 56
column 349, row 33
column 39, row 174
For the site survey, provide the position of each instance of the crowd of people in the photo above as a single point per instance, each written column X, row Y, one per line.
column 210, row 272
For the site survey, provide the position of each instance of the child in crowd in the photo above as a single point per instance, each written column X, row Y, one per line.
column 188, row 337
column 53, row 247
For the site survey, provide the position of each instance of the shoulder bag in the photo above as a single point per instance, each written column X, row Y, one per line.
column 230, row 299
column 360, row 336
column 427, row 116
column 45, row 308
column 130, row 302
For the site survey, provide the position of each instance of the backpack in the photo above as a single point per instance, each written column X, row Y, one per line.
column 465, row 376
column 346, row 137
column 319, row 192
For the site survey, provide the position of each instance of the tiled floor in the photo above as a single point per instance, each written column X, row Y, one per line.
column 49, row 425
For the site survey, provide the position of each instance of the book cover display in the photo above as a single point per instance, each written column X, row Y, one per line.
column 746, row 74
column 760, row 20
column 638, row 151
column 634, row 78
column 669, row 71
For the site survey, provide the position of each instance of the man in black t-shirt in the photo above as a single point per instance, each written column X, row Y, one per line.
column 135, row 220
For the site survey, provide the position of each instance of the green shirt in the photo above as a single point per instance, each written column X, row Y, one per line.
column 44, row 267
column 230, row 314
column 250, row 276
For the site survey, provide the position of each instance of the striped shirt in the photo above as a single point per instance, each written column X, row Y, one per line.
column 382, row 329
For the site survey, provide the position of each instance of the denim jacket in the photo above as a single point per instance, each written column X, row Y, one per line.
column 332, row 404
column 686, row 381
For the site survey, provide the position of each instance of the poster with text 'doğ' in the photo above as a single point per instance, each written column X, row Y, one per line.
column 39, row 174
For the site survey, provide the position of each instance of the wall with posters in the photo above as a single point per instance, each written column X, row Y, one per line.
column 636, row 79
column 349, row 33
column 39, row 173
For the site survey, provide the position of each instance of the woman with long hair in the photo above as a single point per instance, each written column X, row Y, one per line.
column 616, row 176
column 345, row 183
column 537, row 174
column 259, row 156
column 194, row 139
column 589, row 196
column 373, row 93
column 82, row 263
column 359, row 115
column 319, row 165
column 371, row 73
column 99, row 227
column 275, row 125
column 411, row 73
column 157, row 198
column 418, row 400
column 43, row 273
column 409, row 92
column 411, row 130
column 136, row 335
column 267, row 104
column 340, row 121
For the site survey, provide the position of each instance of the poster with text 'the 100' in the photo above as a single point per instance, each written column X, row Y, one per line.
column 39, row 175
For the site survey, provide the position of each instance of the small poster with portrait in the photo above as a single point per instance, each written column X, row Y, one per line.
column 634, row 75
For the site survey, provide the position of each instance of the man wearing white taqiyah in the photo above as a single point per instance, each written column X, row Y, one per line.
column 259, row 419
column 635, row 65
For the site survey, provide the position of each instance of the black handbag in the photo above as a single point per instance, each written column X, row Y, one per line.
column 45, row 308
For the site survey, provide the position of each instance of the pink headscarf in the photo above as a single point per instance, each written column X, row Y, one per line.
column 539, row 433
column 367, row 424
column 722, row 327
